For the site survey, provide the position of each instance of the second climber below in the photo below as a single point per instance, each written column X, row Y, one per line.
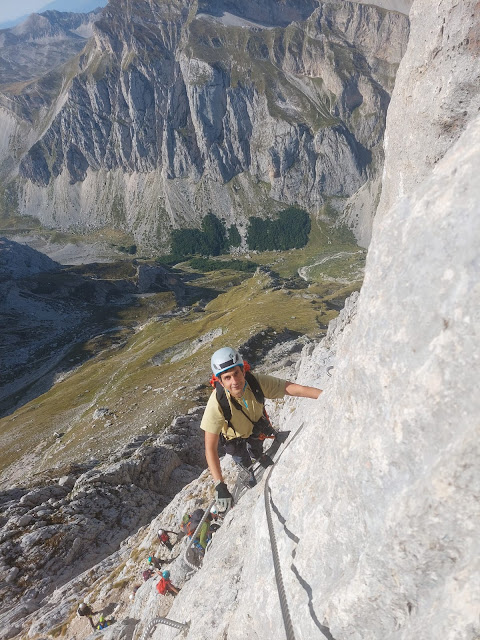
column 238, row 429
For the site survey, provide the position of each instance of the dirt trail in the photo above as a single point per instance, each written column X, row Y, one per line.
column 303, row 271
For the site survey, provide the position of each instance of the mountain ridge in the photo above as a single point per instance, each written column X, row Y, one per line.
column 174, row 134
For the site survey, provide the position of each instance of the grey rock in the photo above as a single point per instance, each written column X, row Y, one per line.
column 24, row 520
column 42, row 533
column 101, row 412
column 393, row 5
column 12, row 575
column 6, row 535
column 67, row 481
column 42, row 513
column 10, row 632
column 106, row 504
column 18, row 261
column 445, row 107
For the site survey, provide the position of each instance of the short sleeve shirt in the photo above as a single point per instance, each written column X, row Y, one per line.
column 213, row 419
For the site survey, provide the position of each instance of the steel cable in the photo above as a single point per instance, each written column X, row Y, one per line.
column 150, row 628
column 287, row 620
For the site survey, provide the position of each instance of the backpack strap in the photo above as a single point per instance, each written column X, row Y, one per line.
column 254, row 385
column 223, row 402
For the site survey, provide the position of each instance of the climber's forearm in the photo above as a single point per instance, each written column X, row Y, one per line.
column 211, row 454
column 300, row 391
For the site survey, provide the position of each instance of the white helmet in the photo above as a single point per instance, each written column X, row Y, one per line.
column 214, row 509
column 225, row 358
column 160, row 532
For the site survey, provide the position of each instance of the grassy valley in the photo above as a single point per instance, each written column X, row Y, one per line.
column 153, row 362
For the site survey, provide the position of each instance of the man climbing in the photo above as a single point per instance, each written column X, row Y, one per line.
column 240, row 422
column 164, row 585
column 84, row 610
column 164, row 539
column 189, row 525
column 153, row 562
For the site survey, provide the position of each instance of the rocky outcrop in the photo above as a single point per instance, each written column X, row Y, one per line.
column 54, row 532
column 18, row 261
column 189, row 109
column 445, row 49
column 403, row 6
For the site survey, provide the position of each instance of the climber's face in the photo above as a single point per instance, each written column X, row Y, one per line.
column 234, row 381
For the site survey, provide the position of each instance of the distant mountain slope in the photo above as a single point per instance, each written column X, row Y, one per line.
column 69, row 6
column 393, row 5
column 41, row 43
column 178, row 108
column 19, row 261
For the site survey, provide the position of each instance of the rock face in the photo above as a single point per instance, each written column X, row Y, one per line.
column 179, row 108
column 445, row 49
column 375, row 501
column 18, row 261
column 403, row 6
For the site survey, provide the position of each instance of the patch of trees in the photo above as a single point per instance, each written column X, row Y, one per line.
column 211, row 240
column 234, row 237
column 289, row 231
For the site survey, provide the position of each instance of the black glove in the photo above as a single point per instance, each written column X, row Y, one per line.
column 266, row 461
column 223, row 497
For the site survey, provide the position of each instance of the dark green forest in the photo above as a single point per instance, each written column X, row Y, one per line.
column 290, row 230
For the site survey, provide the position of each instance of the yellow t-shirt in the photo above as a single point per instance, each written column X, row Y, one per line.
column 213, row 420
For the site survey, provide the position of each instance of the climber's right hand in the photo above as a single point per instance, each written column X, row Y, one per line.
column 223, row 497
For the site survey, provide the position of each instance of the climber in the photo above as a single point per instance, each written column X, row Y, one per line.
column 215, row 520
column 204, row 535
column 215, row 524
column 189, row 525
column 239, row 430
column 164, row 585
column 164, row 539
column 85, row 610
column 136, row 587
column 154, row 562
column 147, row 574
column 103, row 623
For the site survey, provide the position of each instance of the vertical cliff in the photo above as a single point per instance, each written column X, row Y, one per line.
column 178, row 108
column 375, row 501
